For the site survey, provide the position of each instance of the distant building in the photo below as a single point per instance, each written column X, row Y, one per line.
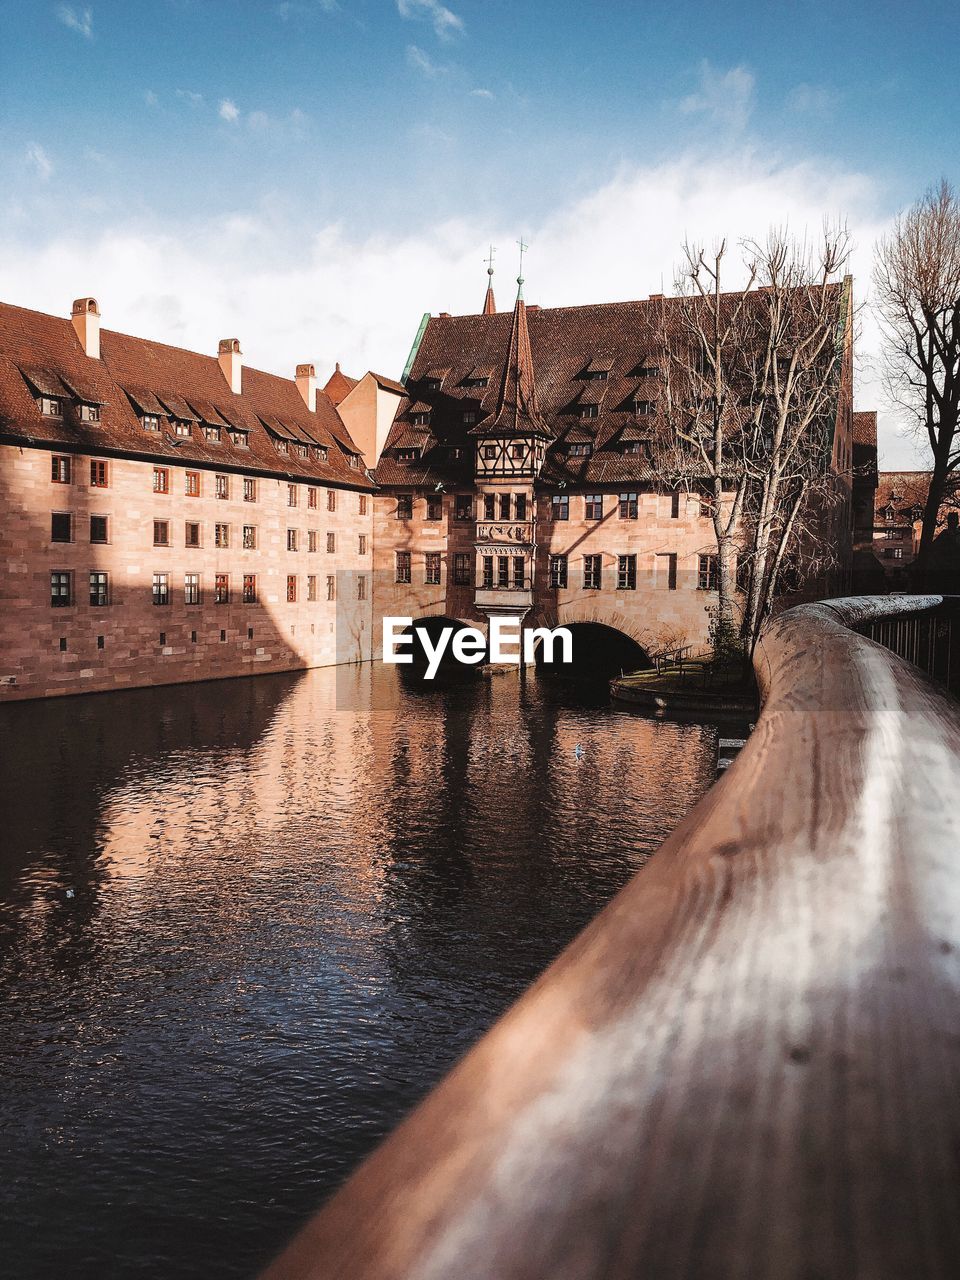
column 170, row 516
column 898, row 520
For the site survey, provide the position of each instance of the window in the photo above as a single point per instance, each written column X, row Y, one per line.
column 516, row 451
column 431, row 574
column 51, row 408
column 706, row 506
column 647, row 371
column 292, row 497
column 100, row 640
column 521, row 505
column 706, row 573
column 191, row 534
column 665, row 571
column 291, row 539
column 461, row 568
column 475, row 382
column 281, row 446
column 579, row 450
column 404, row 506
column 331, row 586
column 407, row 455
column 211, row 434
column 675, row 505
column 626, row 573
column 61, row 526
column 469, row 417
column 631, row 446
column 889, row 515
column 311, row 586
column 221, row 535
column 249, row 489
column 161, row 533
column 291, row 588
column 644, row 408
column 249, row 537
column 161, row 480
column 592, row 569
column 319, row 452
column 593, row 506
column 434, row 507
column 221, row 588
column 361, row 587
column 191, row 484
column 895, row 553
column 331, row 542
column 589, row 410
column 238, row 438
column 98, row 475
column 362, row 544
column 362, row 504
column 420, row 419
column 489, row 452
column 249, row 588
column 161, row 589
column 60, row 469
column 596, row 375
column 89, row 413
column 331, row 499
column 98, row 528
column 503, row 571
column 519, row 567
column 504, row 506
column 181, row 429
column 558, row 571
column 151, row 422
column 99, row 590
column 629, row 506
column 403, row 566
column 221, row 486
column 560, row 507
column 489, row 506
column 313, row 540
column 61, row 588
column 303, row 450
column 312, row 493
column 891, row 533
column 487, row 571
column 191, row 588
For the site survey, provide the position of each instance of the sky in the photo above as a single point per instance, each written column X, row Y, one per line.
column 311, row 176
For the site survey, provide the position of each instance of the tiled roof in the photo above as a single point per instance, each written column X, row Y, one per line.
column 339, row 385
column 911, row 488
column 135, row 373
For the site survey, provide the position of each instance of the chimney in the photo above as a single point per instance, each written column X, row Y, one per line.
column 231, row 362
column 307, row 385
column 86, row 323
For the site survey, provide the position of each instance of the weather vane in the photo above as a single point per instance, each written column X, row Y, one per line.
column 489, row 259
column 523, row 249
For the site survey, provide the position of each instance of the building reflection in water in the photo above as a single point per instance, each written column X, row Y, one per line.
column 243, row 931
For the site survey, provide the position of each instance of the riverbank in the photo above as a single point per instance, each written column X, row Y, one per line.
column 688, row 689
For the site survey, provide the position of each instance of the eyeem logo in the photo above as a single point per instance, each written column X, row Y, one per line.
column 468, row 645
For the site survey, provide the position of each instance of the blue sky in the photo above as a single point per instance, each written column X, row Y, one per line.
column 315, row 174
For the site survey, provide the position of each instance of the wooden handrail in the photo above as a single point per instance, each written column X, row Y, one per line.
column 748, row 1065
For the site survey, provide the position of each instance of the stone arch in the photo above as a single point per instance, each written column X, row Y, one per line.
column 649, row 635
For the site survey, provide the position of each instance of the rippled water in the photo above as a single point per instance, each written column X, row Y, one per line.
column 241, row 932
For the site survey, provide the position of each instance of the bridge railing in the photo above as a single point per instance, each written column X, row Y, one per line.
column 748, row 1065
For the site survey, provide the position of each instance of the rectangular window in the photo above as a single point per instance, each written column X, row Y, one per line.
column 403, row 566
column 249, row 537
column 521, row 505
column 332, row 500
column 362, row 587
column 489, row 507
column 504, row 506
column 51, row 408
column 461, row 568
column 312, row 493
column 331, row 542
column 559, row 507
column 675, row 505
column 362, row 544
column 61, row 526
column 98, row 528
column 626, row 573
column 161, row 480
column 666, row 571
column 98, row 474
column 434, row 507
column 431, row 574
column 221, row 588
column 249, row 489
column 463, row 507
column 291, row 588
column 311, row 586
column 292, row 497
column 313, row 540
column 99, row 589
column 706, row 573
column 516, row 451
column 191, row 533
column 592, row 570
column 239, row 439
column 249, row 588
column 222, row 486
column 211, row 434
column 191, row 588
column 404, row 506
column 292, row 541
column 221, row 535
column 488, row 571
column 181, row 428
column 331, row 586
column 362, row 504
column 489, row 452
column 593, row 506
column 161, row 588
column 629, row 505
column 61, row 588
column 161, row 533
column 60, row 469
column 89, row 413
column 191, row 484
column 503, row 571
column 519, row 567
column 558, row 572
column 151, row 422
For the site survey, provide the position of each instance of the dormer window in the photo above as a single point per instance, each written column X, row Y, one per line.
column 420, row 419
column 647, row 371
column 281, row 446
column 631, row 446
column 407, row 455
column 353, row 460
column 644, row 408
column 89, row 413
column 469, row 418
column 50, row 407
column 596, row 375
column 918, row 513
column 589, row 410
column 181, row 428
column 303, row 451
column 475, row 382
column 431, row 384
column 896, row 496
column 211, row 434
column 579, row 450
column 239, row 438
column 320, row 453
column 151, row 422
column 889, row 515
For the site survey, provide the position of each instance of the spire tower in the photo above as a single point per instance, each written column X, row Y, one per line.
column 489, row 305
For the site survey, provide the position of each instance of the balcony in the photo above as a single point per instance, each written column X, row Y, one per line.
column 505, row 533
column 494, row 596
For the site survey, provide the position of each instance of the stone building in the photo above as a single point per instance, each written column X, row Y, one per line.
column 518, row 479
column 897, row 521
column 170, row 516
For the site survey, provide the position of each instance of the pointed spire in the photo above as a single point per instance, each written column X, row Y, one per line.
column 517, row 409
column 489, row 305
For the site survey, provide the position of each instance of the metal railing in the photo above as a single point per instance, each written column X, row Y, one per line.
column 747, row 1065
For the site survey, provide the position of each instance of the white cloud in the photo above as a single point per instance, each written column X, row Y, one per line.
column 188, row 283
column 445, row 23
column 422, row 62
column 723, row 96
column 189, row 95
column 79, row 20
column 39, row 160
column 150, row 98
column 229, row 111
column 480, row 93
column 812, row 99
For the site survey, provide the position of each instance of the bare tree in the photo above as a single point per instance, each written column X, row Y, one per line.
column 917, row 278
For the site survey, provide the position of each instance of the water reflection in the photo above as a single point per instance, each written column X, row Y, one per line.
column 242, row 932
